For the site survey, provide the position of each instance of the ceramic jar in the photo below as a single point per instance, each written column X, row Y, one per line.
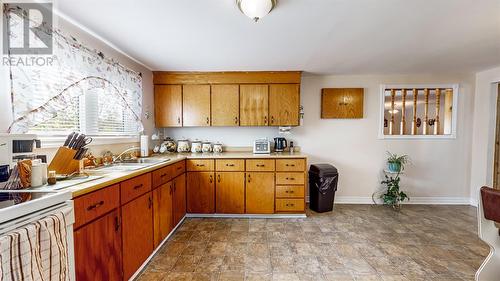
column 206, row 147
column 196, row 146
column 170, row 145
column 217, row 147
column 183, row 145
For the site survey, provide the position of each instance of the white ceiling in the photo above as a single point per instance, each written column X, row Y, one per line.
column 318, row 36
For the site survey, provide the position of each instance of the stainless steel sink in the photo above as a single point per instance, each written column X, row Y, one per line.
column 131, row 165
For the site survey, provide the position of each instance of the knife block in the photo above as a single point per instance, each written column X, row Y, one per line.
column 63, row 162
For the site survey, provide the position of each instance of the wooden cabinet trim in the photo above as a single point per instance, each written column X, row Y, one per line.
column 227, row 77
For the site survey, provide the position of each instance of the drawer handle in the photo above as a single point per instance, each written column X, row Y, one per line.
column 178, row 168
column 272, row 119
column 96, row 205
column 249, row 178
column 178, row 120
column 163, row 175
column 290, row 165
column 236, row 120
column 150, row 202
column 117, row 223
column 200, row 165
column 290, row 205
column 170, row 187
column 261, row 165
column 289, row 191
column 218, row 178
column 138, row 186
column 211, row 179
column 291, row 179
column 229, row 165
column 208, row 120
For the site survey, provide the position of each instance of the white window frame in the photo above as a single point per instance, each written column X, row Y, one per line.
column 453, row 134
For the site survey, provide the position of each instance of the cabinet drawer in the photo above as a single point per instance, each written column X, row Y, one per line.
column 290, row 178
column 230, row 165
column 91, row 206
column 285, row 165
column 178, row 168
column 161, row 176
column 287, row 191
column 289, row 205
column 194, row 165
column 260, row 165
column 135, row 187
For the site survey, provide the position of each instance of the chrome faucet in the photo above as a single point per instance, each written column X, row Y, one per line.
column 119, row 157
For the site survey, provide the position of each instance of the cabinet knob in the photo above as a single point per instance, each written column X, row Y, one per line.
column 117, row 223
column 208, row 120
column 150, row 202
column 290, row 165
column 200, row 165
column 96, row 205
column 272, row 119
column 138, row 186
column 236, row 120
column 211, row 179
column 290, row 205
column 218, row 178
column 265, row 120
column 249, row 178
column 178, row 120
column 291, row 179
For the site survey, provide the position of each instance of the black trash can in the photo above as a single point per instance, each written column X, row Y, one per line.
column 323, row 179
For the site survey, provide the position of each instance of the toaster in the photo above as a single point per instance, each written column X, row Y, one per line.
column 262, row 146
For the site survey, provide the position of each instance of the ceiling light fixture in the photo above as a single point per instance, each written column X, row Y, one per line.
column 256, row 9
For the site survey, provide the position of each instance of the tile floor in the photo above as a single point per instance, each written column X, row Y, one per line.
column 354, row 242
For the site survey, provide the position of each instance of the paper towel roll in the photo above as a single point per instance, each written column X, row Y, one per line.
column 37, row 175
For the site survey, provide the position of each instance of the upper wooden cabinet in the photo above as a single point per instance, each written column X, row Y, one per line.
column 284, row 104
column 259, row 98
column 254, row 100
column 225, row 105
column 196, row 105
column 168, row 105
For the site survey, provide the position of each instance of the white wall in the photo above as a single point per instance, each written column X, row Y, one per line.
column 92, row 42
column 440, row 169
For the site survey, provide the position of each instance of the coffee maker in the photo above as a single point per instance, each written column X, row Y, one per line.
column 280, row 144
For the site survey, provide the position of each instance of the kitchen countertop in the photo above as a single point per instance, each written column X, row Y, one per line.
column 115, row 177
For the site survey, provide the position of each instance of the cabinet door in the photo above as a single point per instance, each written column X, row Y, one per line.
column 260, row 193
column 162, row 212
column 225, row 105
column 200, row 193
column 168, row 106
column 284, row 104
column 196, row 105
column 254, row 105
column 230, row 192
column 137, row 218
column 179, row 198
column 98, row 249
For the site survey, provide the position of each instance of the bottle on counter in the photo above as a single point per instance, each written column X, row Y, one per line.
column 292, row 148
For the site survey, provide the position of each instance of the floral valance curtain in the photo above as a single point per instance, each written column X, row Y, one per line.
column 39, row 92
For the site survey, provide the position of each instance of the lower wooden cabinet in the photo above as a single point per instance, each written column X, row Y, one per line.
column 230, row 192
column 200, row 192
column 260, row 193
column 137, row 223
column 98, row 252
column 179, row 198
column 162, row 212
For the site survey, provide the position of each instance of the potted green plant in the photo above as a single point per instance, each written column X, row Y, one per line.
column 393, row 196
column 396, row 163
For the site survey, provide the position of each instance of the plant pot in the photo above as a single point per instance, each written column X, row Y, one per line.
column 394, row 167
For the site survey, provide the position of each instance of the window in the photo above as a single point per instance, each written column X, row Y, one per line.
column 76, row 88
column 418, row 111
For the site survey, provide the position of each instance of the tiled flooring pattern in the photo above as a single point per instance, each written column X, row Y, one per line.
column 354, row 242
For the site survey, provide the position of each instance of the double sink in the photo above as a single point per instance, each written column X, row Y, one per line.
column 131, row 164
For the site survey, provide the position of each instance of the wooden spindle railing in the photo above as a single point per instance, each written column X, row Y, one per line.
column 391, row 122
column 437, row 126
column 448, row 111
column 414, row 128
column 402, row 129
column 426, row 112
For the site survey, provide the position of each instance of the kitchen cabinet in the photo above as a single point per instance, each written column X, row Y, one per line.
column 200, row 193
column 168, row 105
column 284, row 104
column 179, row 198
column 98, row 254
column 225, row 105
column 137, row 229
column 162, row 212
column 196, row 105
column 254, row 105
column 260, row 193
column 230, row 192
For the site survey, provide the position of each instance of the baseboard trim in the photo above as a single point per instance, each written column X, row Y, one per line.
column 413, row 200
column 248, row 216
